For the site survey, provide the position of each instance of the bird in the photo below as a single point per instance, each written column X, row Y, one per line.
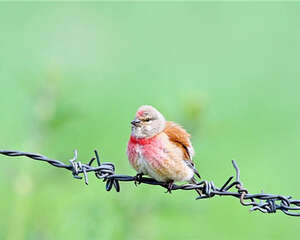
column 160, row 149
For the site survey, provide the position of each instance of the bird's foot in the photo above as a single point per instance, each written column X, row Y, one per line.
column 170, row 186
column 138, row 179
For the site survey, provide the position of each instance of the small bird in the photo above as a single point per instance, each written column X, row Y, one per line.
column 160, row 149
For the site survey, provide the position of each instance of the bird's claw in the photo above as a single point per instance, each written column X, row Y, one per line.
column 138, row 179
column 169, row 187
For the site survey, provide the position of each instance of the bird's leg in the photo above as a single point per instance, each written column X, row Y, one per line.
column 170, row 186
column 138, row 178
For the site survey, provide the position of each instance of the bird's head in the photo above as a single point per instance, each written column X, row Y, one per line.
column 147, row 123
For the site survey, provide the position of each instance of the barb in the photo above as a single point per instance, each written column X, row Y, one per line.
column 263, row 202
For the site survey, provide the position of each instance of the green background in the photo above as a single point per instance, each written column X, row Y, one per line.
column 72, row 76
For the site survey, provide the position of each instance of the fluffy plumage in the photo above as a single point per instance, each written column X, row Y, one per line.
column 160, row 149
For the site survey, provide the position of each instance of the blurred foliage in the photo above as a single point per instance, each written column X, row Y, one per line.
column 72, row 76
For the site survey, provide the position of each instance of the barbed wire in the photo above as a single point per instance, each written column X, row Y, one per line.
column 263, row 202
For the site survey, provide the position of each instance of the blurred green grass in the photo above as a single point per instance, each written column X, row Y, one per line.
column 72, row 76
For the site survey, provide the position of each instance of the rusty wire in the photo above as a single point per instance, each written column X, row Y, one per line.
column 263, row 202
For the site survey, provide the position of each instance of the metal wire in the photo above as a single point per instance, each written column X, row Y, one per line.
column 263, row 202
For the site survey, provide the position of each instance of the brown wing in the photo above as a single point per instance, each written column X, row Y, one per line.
column 181, row 138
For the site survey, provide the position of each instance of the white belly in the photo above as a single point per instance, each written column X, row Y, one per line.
column 144, row 167
column 182, row 172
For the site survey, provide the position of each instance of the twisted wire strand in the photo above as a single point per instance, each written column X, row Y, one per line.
column 263, row 202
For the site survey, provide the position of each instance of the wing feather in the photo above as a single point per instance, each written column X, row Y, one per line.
column 181, row 138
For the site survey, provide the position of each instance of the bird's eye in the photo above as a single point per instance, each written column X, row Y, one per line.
column 147, row 119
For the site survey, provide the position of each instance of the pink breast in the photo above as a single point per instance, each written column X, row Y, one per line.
column 150, row 149
column 153, row 151
column 132, row 153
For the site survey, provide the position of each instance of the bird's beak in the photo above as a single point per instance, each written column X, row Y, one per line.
column 136, row 122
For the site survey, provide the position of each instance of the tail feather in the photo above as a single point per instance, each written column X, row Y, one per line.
column 192, row 166
column 193, row 181
column 197, row 173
